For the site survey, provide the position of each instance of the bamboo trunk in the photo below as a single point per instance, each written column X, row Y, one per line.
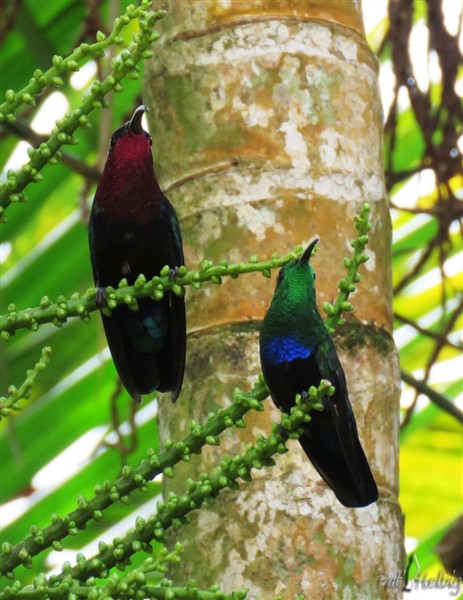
column 266, row 124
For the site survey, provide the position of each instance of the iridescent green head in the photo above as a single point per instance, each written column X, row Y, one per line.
column 293, row 308
column 296, row 278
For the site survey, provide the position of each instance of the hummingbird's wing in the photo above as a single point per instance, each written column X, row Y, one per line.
column 352, row 480
column 330, row 440
column 177, row 314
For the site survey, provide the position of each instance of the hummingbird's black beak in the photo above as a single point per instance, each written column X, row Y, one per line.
column 135, row 122
column 308, row 252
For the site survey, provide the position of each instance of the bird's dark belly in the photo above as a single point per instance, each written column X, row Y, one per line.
column 287, row 379
column 133, row 250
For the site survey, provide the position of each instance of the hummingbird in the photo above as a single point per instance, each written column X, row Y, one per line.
column 134, row 229
column 296, row 352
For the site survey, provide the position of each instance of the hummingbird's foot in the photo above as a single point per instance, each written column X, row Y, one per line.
column 304, row 396
column 101, row 297
column 173, row 273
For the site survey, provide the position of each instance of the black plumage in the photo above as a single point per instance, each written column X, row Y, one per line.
column 134, row 229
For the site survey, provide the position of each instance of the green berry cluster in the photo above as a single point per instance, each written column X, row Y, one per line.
column 132, row 479
column 81, row 305
column 13, row 401
column 79, row 580
column 347, row 285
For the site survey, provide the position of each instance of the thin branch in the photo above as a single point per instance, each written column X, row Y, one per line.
column 432, row 359
column 23, row 131
column 436, row 336
column 120, row 444
column 394, row 177
column 451, row 211
column 438, row 399
column 15, row 395
column 8, row 19
column 416, row 269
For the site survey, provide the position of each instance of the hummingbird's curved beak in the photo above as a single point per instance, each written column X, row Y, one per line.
column 135, row 122
column 308, row 252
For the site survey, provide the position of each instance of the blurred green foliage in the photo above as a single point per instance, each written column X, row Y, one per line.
column 423, row 135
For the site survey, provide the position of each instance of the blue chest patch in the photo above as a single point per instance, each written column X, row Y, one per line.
column 285, row 349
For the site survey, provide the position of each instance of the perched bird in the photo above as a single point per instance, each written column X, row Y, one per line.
column 296, row 352
column 134, row 229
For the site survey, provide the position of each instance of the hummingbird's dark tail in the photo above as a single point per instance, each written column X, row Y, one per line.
column 346, row 472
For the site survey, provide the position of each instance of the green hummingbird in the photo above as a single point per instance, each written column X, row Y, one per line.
column 296, row 352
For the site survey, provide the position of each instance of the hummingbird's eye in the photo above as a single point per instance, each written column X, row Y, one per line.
column 281, row 274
